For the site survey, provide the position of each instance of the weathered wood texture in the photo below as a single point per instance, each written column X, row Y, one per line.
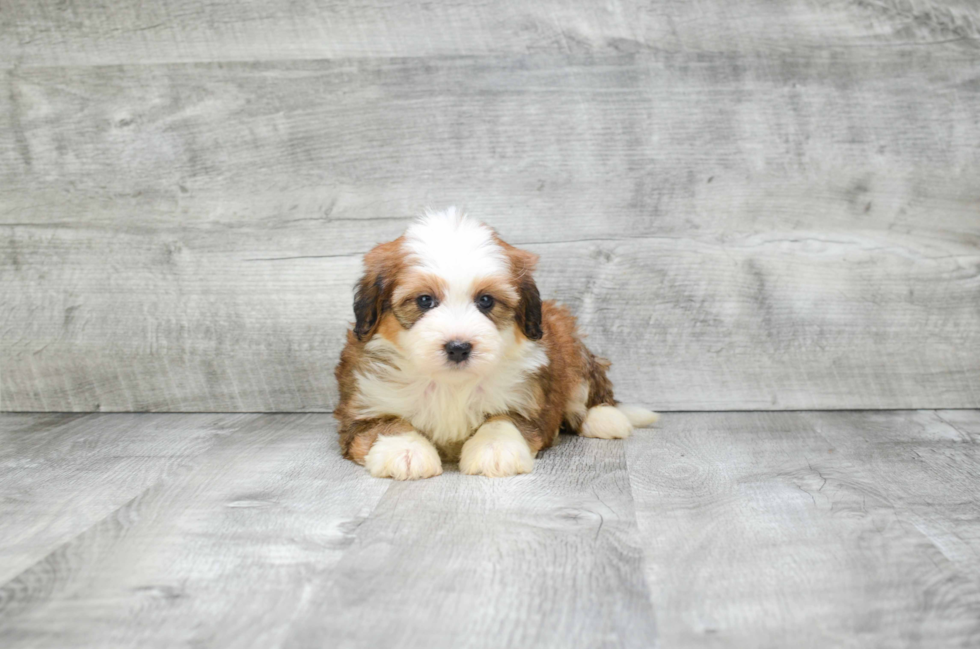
column 752, row 529
column 60, row 475
column 776, row 206
column 252, row 547
column 812, row 529
column 218, row 554
column 550, row 559
column 94, row 32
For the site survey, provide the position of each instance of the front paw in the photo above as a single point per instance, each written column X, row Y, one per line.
column 407, row 456
column 496, row 450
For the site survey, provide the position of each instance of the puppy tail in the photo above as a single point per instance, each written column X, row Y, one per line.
column 639, row 417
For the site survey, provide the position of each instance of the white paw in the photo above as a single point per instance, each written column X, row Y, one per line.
column 606, row 422
column 408, row 456
column 496, row 450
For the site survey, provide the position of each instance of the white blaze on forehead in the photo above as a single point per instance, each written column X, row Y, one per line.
column 455, row 247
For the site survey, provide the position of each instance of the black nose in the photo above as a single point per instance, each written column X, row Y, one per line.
column 458, row 351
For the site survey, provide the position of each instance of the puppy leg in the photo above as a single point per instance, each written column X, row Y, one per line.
column 606, row 422
column 408, row 456
column 496, row 450
column 603, row 419
column 392, row 448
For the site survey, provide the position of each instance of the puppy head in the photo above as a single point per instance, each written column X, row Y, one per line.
column 450, row 295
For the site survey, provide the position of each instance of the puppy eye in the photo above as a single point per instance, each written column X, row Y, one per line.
column 485, row 302
column 425, row 302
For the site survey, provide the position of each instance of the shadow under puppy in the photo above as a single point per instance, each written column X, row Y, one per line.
column 454, row 355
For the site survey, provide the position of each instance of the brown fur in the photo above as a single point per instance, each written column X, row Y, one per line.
column 350, row 359
column 373, row 295
column 570, row 363
column 362, row 434
column 410, row 286
column 389, row 328
column 522, row 264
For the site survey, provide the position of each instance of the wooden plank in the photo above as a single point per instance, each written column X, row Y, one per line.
column 545, row 560
column 758, row 529
column 87, row 32
column 810, row 529
column 220, row 555
column 735, row 231
column 934, row 487
column 966, row 422
column 61, row 474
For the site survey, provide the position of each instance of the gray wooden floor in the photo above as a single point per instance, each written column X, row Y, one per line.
column 780, row 529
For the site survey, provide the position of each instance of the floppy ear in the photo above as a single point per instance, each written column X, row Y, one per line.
column 373, row 292
column 529, row 308
column 367, row 305
column 528, row 314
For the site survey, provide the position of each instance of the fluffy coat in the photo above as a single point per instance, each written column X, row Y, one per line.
column 406, row 406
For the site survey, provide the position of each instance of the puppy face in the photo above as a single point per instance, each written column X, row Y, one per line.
column 450, row 295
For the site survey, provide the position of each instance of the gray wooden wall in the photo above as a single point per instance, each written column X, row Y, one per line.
column 760, row 204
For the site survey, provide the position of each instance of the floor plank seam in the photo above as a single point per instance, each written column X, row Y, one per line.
column 187, row 467
column 968, row 438
column 10, row 585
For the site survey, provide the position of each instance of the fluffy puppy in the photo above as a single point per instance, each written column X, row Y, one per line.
column 454, row 355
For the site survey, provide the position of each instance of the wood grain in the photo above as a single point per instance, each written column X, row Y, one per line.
column 61, row 474
column 218, row 555
column 549, row 559
column 811, row 529
column 88, row 32
column 734, row 232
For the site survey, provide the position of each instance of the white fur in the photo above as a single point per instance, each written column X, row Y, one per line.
column 414, row 379
column 496, row 450
column 456, row 318
column 407, row 456
column 606, row 422
column 640, row 417
column 454, row 247
column 448, row 411
column 461, row 252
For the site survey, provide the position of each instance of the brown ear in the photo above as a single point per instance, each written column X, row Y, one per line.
column 528, row 314
column 529, row 308
column 373, row 293
column 368, row 306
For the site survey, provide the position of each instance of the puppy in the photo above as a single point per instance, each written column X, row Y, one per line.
column 454, row 355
